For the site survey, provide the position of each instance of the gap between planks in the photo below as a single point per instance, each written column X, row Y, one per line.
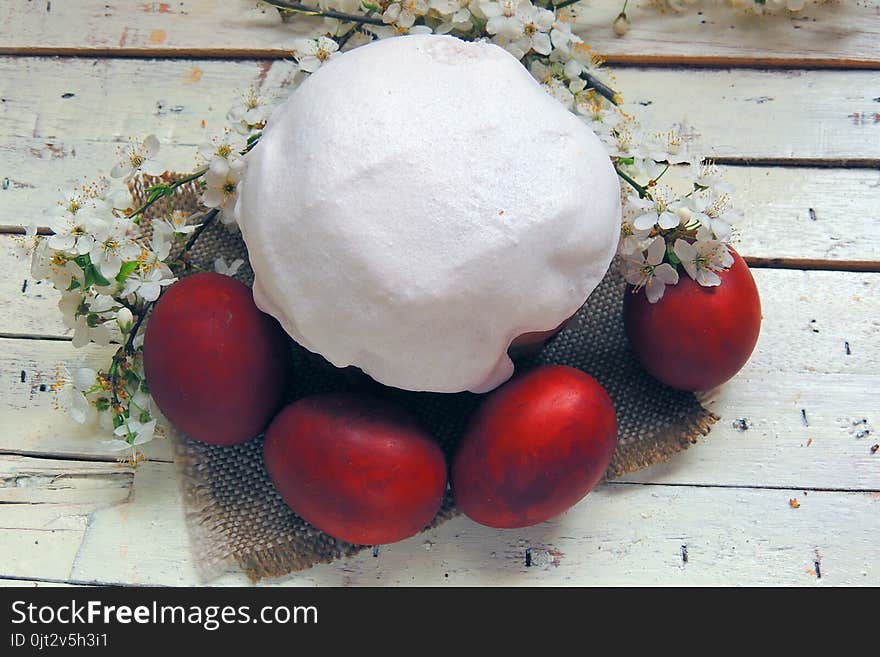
column 805, row 264
column 658, row 61
column 94, row 458
column 72, row 582
column 61, row 458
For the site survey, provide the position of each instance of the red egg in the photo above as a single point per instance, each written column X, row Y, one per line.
column 695, row 337
column 534, row 448
column 356, row 467
column 217, row 367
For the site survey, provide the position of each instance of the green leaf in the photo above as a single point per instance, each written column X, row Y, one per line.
column 145, row 388
column 673, row 259
column 118, row 421
column 102, row 404
column 92, row 320
column 626, row 160
column 94, row 276
column 144, row 417
column 157, row 191
column 125, row 270
column 83, row 260
column 73, row 285
column 132, row 379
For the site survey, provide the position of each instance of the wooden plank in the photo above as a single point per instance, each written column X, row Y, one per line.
column 801, row 362
column 30, row 583
column 824, row 34
column 620, row 534
column 25, row 480
column 32, row 415
column 51, row 141
column 819, row 216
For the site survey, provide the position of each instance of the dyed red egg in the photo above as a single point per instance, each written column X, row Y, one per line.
column 534, row 448
column 695, row 337
column 217, row 367
column 356, row 467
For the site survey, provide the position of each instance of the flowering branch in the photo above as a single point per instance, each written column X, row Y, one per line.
column 109, row 273
column 299, row 8
column 643, row 192
column 157, row 192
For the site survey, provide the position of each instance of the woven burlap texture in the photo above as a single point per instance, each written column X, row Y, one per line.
column 236, row 518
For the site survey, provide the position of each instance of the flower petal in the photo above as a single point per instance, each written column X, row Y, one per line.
column 151, row 146
column 656, row 251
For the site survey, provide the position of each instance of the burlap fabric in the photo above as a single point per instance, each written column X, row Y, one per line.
column 235, row 516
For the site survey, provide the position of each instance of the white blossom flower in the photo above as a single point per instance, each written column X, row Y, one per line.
column 624, row 142
column 54, row 266
column 456, row 15
column 112, row 247
column 709, row 176
column 311, row 53
column 142, row 431
column 138, row 432
column 621, row 24
column 71, row 233
column 227, row 146
column 231, row 269
column 147, row 282
column 492, row 8
column 672, row 146
column 648, row 271
column 71, row 304
column 703, row 259
column 526, row 29
column 124, row 318
column 715, row 213
column 596, row 110
column 79, row 408
column 656, row 211
column 221, row 187
column 631, row 238
column 178, row 221
column 86, row 327
column 162, row 239
column 251, row 112
column 551, row 83
column 563, row 38
column 139, row 159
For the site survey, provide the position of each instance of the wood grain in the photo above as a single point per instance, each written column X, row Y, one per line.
column 619, row 534
column 63, row 121
column 824, row 34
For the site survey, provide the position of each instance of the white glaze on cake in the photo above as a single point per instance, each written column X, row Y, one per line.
column 417, row 204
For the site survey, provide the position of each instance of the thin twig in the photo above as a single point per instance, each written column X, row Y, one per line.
column 643, row 193
column 170, row 188
column 601, row 88
column 300, row 8
column 127, row 349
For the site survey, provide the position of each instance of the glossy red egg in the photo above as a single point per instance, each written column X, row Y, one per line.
column 695, row 337
column 357, row 467
column 534, row 448
column 217, row 367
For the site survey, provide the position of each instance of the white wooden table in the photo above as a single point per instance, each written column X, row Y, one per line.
column 791, row 108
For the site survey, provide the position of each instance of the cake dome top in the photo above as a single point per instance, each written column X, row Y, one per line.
column 418, row 203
